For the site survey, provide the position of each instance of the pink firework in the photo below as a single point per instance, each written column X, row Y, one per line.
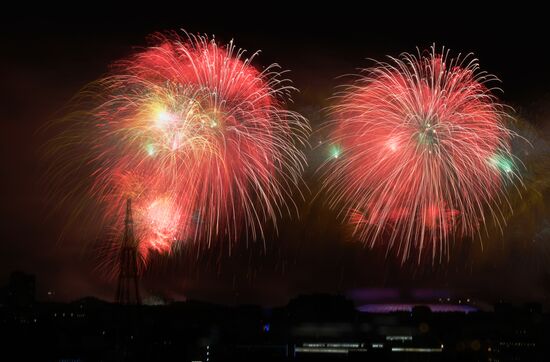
column 421, row 153
column 198, row 137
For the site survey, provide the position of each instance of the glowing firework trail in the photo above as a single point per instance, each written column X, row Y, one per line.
column 420, row 153
column 195, row 135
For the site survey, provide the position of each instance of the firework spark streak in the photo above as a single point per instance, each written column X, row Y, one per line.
column 420, row 153
column 195, row 135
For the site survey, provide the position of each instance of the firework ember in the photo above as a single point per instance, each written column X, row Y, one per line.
column 419, row 154
column 198, row 137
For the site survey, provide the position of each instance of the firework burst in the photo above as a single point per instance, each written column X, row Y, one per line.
column 198, row 137
column 423, row 153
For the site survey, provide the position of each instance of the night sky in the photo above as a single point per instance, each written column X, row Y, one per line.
column 48, row 56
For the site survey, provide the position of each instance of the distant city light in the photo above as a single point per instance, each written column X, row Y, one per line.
column 416, row 349
column 399, row 338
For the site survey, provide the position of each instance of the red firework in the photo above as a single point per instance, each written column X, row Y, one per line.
column 421, row 153
column 195, row 135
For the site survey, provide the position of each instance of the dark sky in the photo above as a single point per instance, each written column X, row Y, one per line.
column 47, row 56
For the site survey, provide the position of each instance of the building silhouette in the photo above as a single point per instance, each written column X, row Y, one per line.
column 310, row 328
